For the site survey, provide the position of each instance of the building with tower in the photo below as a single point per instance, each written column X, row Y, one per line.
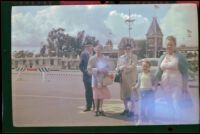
column 154, row 39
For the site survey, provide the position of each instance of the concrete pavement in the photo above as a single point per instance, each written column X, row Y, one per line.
column 59, row 101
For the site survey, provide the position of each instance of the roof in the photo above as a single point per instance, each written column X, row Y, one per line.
column 154, row 29
column 140, row 42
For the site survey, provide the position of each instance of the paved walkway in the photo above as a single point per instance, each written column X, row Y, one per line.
column 59, row 101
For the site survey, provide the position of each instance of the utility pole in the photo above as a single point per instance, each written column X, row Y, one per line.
column 129, row 20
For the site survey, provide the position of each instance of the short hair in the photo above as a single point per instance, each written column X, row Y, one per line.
column 171, row 38
column 126, row 45
column 99, row 46
column 147, row 61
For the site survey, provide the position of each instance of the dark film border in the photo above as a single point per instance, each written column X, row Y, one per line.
column 6, row 73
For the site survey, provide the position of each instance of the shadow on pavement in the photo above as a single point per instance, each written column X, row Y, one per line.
column 120, row 117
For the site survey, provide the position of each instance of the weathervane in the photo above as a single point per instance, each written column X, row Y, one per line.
column 129, row 20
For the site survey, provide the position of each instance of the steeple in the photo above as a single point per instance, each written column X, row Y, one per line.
column 154, row 39
column 154, row 29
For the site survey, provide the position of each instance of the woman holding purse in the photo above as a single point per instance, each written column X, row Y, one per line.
column 98, row 66
column 126, row 65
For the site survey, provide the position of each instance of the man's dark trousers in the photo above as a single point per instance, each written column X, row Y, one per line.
column 88, row 93
column 87, row 80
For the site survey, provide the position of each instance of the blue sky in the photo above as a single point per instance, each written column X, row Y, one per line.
column 31, row 24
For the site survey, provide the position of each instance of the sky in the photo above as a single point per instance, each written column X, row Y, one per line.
column 31, row 24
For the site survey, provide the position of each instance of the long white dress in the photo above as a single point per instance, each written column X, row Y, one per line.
column 171, row 80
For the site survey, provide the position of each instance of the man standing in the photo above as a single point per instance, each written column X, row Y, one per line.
column 87, row 78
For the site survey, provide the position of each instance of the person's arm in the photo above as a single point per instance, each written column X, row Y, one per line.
column 90, row 66
column 158, row 73
column 154, row 82
column 119, row 67
column 133, row 64
column 183, row 67
column 138, row 81
column 81, row 64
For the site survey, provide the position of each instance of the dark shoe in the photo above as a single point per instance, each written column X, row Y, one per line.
column 102, row 113
column 130, row 114
column 124, row 113
column 96, row 113
column 86, row 110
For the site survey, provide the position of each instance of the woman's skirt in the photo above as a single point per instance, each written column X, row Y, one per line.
column 101, row 93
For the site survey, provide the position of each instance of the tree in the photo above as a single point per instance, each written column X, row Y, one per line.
column 56, row 39
column 23, row 54
column 61, row 44
column 92, row 40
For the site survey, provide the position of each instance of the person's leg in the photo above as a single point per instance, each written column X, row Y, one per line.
column 101, row 107
column 87, row 95
column 150, row 106
column 96, row 101
column 141, row 110
column 96, row 104
column 90, row 95
column 131, row 109
column 125, row 107
column 142, row 106
column 126, row 104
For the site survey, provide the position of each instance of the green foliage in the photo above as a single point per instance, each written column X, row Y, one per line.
column 23, row 54
column 61, row 44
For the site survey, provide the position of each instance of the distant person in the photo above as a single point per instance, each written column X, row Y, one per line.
column 87, row 78
column 172, row 73
column 126, row 65
column 98, row 67
column 145, row 87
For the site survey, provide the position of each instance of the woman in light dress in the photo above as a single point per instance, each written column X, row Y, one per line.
column 127, row 66
column 99, row 67
column 172, row 73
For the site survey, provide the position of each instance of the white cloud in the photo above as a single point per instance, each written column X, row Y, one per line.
column 29, row 30
column 178, row 19
column 116, row 23
column 112, row 12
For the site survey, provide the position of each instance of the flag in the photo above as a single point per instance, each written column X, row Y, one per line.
column 189, row 31
column 156, row 6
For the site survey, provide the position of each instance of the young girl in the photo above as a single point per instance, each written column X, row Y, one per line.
column 144, row 86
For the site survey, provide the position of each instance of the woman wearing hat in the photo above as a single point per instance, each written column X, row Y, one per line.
column 127, row 66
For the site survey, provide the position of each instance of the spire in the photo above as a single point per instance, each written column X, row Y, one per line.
column 154, row 29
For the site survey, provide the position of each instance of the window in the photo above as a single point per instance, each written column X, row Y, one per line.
column 51, row 61
column 44, row 62
column 37, row 62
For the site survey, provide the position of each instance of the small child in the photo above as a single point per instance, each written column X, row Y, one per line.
column 144, row 86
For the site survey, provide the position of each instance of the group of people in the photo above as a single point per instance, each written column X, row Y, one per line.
column 171, row 75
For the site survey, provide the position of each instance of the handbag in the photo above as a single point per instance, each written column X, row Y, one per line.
column 118, row 77
column 108, row 80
